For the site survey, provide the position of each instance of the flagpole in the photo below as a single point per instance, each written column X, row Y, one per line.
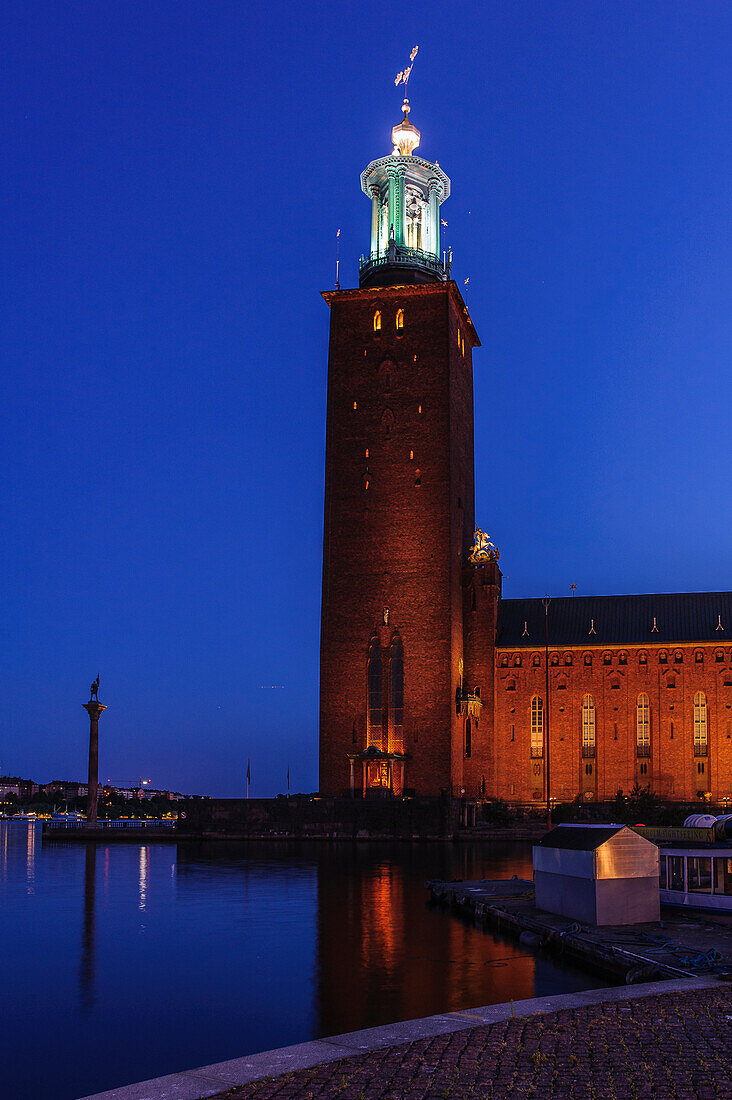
column 248, row 776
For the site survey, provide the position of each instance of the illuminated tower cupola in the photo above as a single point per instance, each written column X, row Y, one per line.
column 406, row 192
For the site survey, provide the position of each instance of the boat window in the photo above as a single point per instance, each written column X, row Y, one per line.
column 662, row 873
column 723, row 876
column 699, row 872
column 676, row 873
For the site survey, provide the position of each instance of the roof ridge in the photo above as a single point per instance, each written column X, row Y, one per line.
column 617, row 596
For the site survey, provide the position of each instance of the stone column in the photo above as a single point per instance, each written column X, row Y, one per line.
column 374, row 222
column 93, row 708
column 393, row 202
column 400, row 219
column 353, row 776
column 435, row 192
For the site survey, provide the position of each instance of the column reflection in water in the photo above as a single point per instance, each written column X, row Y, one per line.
column 86, row 972
column 385, row 955
column 4, row 831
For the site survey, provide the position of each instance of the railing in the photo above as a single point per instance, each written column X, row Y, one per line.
column 406, row 257
column 537, row 752
column 643, row 750
column 700, row 749
column 105, row 823
column 588, row 752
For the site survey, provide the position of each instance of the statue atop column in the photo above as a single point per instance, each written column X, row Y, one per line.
column 94, row 690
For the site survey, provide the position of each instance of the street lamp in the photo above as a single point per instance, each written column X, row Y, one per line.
column 546, row 601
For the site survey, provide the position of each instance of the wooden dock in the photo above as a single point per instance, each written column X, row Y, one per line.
column 683, row 944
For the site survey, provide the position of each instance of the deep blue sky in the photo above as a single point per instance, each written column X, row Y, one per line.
column 173, row 177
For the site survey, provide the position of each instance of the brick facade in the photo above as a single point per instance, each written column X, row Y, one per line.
column 397, row 580
column 399, row 515
column 615, row 678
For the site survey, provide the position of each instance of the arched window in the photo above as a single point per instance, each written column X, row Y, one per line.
column 400, row 320
column 468, row 738
column 588, row 658
column 396, row 696
column 536, row 661
column 588, row 727
column 375, row 701
column 568, row 658
column 699, row 657
column 642, row 726
column 700, row 724
column 377, row 321
column 642, row 657
column 662, row 657
column 537, row 726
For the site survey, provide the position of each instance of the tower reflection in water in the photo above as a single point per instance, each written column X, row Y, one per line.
column 385, row 955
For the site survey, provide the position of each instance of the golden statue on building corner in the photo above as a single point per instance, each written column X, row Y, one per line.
column 482, row 549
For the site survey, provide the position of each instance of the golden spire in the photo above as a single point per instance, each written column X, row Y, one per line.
column 405, row 137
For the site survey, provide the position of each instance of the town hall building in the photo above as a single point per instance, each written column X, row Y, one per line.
column 430, row 681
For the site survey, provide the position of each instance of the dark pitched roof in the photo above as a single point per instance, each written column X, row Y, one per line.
column 580, row 838
column 618, row 620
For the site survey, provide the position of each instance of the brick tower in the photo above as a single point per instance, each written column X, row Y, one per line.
column 399, row 501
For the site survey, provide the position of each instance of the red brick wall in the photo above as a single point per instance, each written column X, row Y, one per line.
column 480, row 601
column 396, row 545
column 672, row 769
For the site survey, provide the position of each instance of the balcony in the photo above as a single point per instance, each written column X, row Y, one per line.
column 401, row 265
column 588, row 752
column 700, row 748
column 643, row 750
column 537, row 752
column 470, row 706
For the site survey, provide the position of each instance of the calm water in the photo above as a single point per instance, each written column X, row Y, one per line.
column 127, row 961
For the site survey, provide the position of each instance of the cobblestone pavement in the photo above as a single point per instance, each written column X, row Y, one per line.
column 676, row 1046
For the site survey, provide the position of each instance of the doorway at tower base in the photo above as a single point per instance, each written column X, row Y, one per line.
column 376, row 773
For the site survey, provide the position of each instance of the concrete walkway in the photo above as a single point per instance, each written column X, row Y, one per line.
column 665, row 1040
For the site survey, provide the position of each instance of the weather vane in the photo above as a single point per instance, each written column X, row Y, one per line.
column 403, row 76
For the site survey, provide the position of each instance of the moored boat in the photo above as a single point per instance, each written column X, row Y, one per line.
column 695, row 862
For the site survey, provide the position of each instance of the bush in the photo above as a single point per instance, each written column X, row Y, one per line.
column 497, row 813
